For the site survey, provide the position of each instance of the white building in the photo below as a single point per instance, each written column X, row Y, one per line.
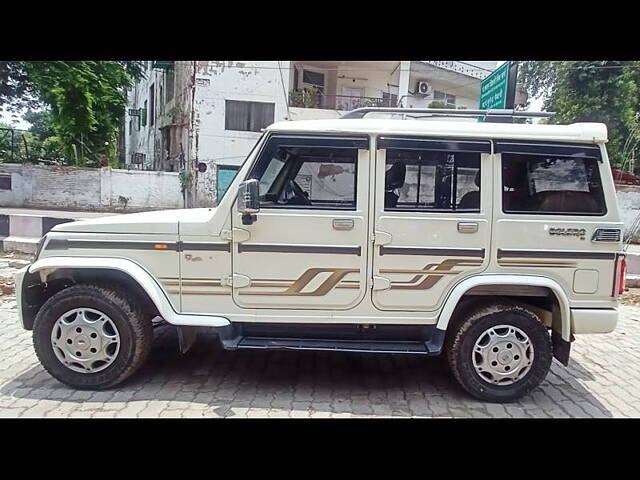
column 188, row 115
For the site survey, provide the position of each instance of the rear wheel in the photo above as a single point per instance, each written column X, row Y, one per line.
column 499, row 352
column 91, row 337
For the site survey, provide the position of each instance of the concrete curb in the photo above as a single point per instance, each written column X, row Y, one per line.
column 21, row 233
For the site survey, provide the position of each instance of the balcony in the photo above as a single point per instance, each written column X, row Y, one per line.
column 462, row 68
column 315, row 99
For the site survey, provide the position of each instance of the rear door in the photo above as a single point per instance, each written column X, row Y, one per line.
column 308, row 247
column 432, row 218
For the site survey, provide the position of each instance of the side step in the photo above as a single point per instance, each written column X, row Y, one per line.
column 363, row 346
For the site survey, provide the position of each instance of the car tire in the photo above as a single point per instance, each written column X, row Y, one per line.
column 499, row 351
column 89, row 322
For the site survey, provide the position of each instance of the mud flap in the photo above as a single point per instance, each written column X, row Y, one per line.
column 561, row 348
column 187, row 337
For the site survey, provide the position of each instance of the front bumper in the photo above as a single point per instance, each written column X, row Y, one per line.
column 19, row 279
column 593, row 320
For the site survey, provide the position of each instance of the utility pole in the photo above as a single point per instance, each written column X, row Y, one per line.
column 632, row 162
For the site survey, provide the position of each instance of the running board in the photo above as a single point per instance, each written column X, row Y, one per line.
column 368, row 346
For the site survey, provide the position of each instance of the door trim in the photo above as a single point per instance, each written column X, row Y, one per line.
column 434, row 251
column 287, row 248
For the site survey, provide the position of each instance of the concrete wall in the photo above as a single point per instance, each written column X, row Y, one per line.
column 629, row 204
column 73, row 188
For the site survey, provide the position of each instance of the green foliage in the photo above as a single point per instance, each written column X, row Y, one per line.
column 596, row 91
column 186, row 180
column 307, row 98
column 42, row 125
column 439, row 104
column 86, row 100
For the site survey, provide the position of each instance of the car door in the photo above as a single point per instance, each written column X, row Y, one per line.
column 307, row 247
column 432, row 218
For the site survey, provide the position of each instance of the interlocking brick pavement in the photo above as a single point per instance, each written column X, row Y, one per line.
column 602, row 380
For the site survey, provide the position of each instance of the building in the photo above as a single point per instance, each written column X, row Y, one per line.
column 203, row 117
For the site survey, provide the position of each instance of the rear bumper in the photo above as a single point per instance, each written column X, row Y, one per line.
column 596, row 320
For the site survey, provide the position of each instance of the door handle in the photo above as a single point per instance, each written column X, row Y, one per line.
column 343, row 224
column 467, row 227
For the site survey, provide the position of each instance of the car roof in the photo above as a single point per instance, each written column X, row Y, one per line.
column 576, row 132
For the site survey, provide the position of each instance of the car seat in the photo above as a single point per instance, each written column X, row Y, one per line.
column 393, row 179
column 471, row 200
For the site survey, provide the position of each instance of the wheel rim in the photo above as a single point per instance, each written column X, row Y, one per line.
column 502, row 355
column 85, row 340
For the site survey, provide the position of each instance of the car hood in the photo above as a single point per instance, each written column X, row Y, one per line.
column 158, row 222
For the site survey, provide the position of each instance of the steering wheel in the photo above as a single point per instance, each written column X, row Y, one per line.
column 294, row 195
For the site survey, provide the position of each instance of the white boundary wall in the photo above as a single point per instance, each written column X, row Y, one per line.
column 101, row 189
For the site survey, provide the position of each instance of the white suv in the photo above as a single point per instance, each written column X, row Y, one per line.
column 492, row 243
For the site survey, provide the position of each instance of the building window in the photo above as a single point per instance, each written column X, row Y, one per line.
column 143, row 114
column 138, row 158
column 224, row 176
column 389, row 99
column 169, row 84
column 248, row 116
column 444, row 98
column 152, row 103
column 130, row 126
column 5, row 182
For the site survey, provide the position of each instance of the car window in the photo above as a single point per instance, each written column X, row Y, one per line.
column 552, row 185
column 430, row 180
column 312, row 177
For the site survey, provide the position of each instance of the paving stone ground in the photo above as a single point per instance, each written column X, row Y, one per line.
column 602, row 380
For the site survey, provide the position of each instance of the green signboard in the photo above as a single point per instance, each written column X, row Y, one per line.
column 493, row 89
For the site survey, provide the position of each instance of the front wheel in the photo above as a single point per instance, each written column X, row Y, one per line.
column 500, row 352
column 91, row 337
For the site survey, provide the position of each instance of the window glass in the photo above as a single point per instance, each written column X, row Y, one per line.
column 551, row 185
column 248, row 116
column 313, row 78
column 427, row 180
column 306, row 177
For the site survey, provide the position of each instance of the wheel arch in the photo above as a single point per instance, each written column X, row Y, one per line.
column 86, row 268
column 493, row 285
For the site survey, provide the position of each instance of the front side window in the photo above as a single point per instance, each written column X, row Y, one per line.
column 541, row 184
column 298, row 176
column 429, row 180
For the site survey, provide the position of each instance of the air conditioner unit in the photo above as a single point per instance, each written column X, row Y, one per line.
column 424, row 89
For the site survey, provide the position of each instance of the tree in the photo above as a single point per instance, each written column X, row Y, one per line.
column 595, row 91
column 86, row 101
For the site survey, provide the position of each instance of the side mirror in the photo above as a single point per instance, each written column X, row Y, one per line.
column 249, row 201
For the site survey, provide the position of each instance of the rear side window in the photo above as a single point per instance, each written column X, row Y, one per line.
column 551, row 185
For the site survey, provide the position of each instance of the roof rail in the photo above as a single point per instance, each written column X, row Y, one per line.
column 500, row 116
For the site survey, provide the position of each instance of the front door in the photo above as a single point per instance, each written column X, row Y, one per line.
column 307, row 249
column 432, row 219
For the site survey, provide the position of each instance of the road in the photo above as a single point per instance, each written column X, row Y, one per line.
column 602, row 380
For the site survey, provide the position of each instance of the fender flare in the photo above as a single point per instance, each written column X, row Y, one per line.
column 137, row 273
column 528, row 280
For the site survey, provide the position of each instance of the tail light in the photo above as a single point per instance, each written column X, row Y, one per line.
column 619, row 273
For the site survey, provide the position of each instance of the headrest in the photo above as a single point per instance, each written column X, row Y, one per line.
column 514, row 174
column 394, row 178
